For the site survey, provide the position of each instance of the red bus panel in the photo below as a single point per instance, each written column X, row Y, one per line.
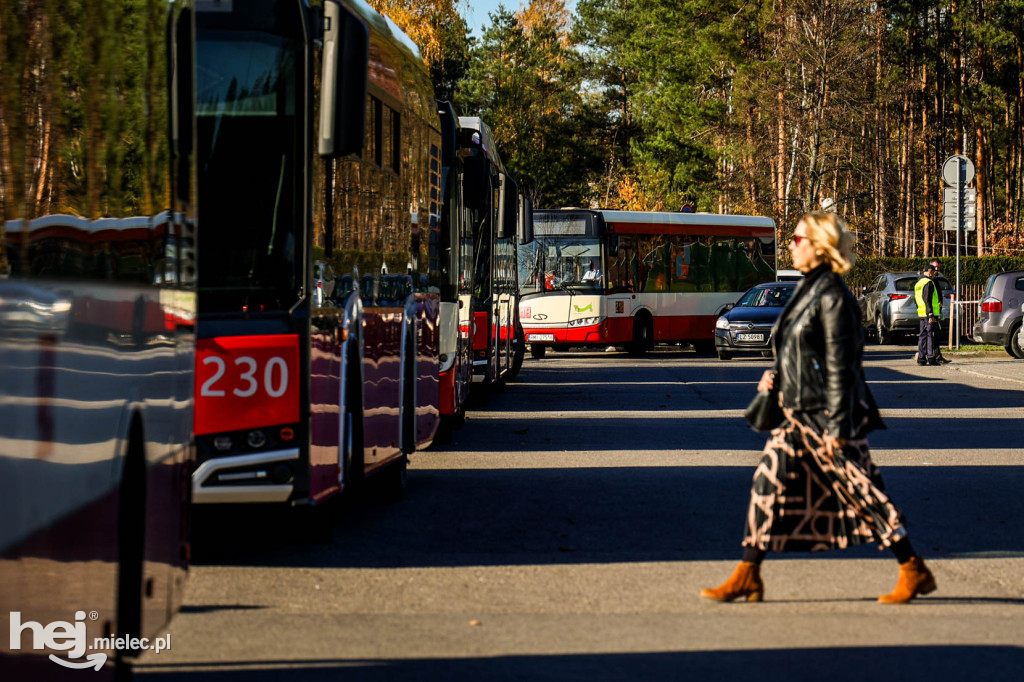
column 246, row 382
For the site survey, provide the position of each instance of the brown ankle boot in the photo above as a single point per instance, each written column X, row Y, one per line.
column 744, row 582
column 915, row 579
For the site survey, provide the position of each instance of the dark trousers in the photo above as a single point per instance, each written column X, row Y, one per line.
column 928, row 339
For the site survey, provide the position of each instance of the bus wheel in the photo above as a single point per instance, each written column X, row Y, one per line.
column 643, row 334
column 393, row 480
column 131, row 541
column 353, row 429
column 537, row 351
column 518, row 353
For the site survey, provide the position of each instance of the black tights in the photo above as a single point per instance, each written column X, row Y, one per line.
column 903, row 550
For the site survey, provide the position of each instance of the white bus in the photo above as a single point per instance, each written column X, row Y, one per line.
column 628, row 278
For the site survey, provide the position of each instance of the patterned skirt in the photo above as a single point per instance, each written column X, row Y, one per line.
column 805, row 498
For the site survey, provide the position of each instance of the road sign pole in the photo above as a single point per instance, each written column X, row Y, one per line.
column 960, row 228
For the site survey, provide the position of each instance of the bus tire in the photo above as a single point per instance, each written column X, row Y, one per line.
column 392, row 480
column 131, row 542
column 408, row 413
column 518, row 352
column 538, row 352
column 643, row 334
column 354, row 467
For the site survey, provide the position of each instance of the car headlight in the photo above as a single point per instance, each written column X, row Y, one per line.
column 585, row 321
column 722, row 323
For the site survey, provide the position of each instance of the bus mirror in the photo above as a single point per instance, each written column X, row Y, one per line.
column 509, row 216
column 475, row 185
column 524, row 233
column 343, row 84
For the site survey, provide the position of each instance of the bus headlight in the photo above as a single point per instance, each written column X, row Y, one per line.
column 585, row 321
column 722, row 323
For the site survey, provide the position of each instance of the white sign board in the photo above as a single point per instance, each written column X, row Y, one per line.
column 951, row 170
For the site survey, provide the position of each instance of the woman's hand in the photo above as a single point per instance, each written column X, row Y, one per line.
column 767, row 382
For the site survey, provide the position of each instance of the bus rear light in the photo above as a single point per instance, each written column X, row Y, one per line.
column 256, row 439
column 287, row 433
column 991, row 305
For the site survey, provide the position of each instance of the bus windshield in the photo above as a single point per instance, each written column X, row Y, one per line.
column 249, row 146
column 560, row 263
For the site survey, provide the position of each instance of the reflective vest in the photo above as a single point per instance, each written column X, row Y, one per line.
column 922, row 307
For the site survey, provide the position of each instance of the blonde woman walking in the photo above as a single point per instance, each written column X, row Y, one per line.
column 816, row 487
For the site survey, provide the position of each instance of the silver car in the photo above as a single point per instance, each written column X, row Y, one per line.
column 888, row 307
column 1000, row 314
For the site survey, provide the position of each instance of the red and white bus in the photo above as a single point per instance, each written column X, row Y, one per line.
column 319, row 152
column 97, row 332
column 501, row 221
column 628, row 278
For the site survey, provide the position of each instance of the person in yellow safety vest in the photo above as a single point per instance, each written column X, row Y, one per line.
column 929, row 312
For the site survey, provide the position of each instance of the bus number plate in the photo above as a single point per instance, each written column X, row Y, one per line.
column 750, row 337
column 541, row 337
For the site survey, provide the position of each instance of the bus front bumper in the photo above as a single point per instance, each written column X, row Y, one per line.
column 609, row 331
column 243, row 479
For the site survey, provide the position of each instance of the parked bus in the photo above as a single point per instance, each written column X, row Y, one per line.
column 597, row 278
column 457, row 249
column 97, row 339
column 319, row 150
column 500, row 223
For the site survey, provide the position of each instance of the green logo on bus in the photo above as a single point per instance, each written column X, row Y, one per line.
column 589, row 306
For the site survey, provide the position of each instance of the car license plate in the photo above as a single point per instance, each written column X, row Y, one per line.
column 540, row 337
column 750, row 337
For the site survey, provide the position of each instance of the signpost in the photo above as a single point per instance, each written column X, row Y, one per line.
column 959, row 205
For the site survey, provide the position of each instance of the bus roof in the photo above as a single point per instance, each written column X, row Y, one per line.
column 486, row 138
column 671, row 218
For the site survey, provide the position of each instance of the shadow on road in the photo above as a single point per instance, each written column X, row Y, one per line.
column 495, row 515
column 793, row 665
column 604, row 515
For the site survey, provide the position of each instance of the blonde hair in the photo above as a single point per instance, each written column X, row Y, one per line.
column 827, row 231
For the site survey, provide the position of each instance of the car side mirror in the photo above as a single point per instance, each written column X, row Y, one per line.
column 728, row 307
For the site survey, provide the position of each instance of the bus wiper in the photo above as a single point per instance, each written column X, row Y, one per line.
column 568, row 287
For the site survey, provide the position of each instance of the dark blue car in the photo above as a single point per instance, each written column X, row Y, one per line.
column 746, row 326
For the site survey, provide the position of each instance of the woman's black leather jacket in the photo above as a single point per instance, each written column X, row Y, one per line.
column 819, row 342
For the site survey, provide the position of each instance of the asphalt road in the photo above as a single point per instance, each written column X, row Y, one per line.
column 567, row 530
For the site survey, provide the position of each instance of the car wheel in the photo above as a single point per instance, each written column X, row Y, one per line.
column 881, row 333
column 767, row 354
column 724, row 355
column 1013, row 343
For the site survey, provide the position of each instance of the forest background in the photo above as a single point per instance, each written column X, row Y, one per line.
column 766, row 107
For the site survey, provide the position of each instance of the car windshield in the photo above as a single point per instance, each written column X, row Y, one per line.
column 908, row 283
column 766, row 297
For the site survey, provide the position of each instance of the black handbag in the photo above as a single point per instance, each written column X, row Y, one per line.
column 764, row 412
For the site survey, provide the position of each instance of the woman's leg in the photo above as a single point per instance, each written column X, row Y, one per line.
column 754, row 555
